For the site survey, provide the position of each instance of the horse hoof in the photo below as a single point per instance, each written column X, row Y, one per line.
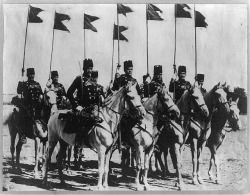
column 200, row 180
column 46, row 185
column 106, row 187
column 100, row 188
column 147, row 187
column 36, row 176
column 217, row 181
column 139, row 188
column 195, row 182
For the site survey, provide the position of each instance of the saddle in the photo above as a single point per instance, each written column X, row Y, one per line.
column 80, row 123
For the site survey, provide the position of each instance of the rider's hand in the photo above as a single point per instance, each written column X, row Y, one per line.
column 64, row 98
column 79, row 108
column 48, row 84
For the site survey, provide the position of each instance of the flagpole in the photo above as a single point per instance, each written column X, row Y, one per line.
column 147, row 35
column 84, row 39
column 52, row 47
column 195, row 41
column 118, row 36
column 174, row 48
column 175, row 34
column 25, row 40
column 112, row 69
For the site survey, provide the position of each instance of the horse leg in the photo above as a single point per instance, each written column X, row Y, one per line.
column 61, row 155
column 12, row 145
column 166, row 169
column 212, row 151
column 106, row 170
column 200, row 149
column 161, row 164
column 101, row 159
column 178, row 165
column 68, row 160
column 37, row 144
column 49, row 151
column 18, row 151
column 146, row 166
column 194, row 160
column 216, row 163
column 139, row 155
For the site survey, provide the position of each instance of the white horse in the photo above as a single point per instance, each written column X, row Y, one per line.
column 146, row 134
column 102, row 136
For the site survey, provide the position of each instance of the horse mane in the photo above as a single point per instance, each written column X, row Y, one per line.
column 112, row 98
column 182, row 102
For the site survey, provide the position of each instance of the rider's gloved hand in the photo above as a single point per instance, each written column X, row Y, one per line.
column 48, row 84
column 64, row 98
column 79, row 108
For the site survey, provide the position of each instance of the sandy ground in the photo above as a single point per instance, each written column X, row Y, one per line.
column 233, row 169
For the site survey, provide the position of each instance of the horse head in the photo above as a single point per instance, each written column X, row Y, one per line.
column 134, row 101
column 234, row 115
column 167, row 102
column 197, row 102
column 219, row 98
column 50, row 100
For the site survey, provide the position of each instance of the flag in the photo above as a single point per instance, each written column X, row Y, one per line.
column 122, row 9
column 121, row 36
column 33, row 12
column 200, row 20
column 152, row 12
column 58, row 21
column 87, row 22
column 180, row 12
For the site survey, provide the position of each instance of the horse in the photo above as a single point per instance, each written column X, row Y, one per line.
column 200, row 127
column 218, row 133
column 102, row 136
column 146, row 133
column 36, row 130
column 174, row 137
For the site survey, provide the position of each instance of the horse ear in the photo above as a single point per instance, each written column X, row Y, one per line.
column 237, row 101
column 223, row 85
column 195, row 84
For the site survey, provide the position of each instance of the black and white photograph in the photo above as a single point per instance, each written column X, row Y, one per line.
column 125, row 96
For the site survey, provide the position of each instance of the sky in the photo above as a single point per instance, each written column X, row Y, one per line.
column 221, row 47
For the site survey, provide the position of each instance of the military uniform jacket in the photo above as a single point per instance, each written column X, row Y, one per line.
column 87, row 92
column 60, row 92
column 180, row 86
column 123, row 80
column 151, row 88
column 31, row 91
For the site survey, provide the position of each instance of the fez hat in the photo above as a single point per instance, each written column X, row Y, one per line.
column 94, row 74
column 54, row 73
column 199, row 77
column 128, row 64
column 158, row 69
column 182, row 69
column 30, row 71
column 87, row 63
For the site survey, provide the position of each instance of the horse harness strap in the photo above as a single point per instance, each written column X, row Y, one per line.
column 99, row 125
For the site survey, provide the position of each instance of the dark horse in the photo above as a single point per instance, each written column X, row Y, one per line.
column 35, row 129
column 218, row 132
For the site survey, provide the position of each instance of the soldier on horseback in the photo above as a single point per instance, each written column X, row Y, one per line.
column 200, row 79
column 151, row 88
column 178, row 87
column 31, row 95
column 127, row 77
column 87, row 99
column 58, row 88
